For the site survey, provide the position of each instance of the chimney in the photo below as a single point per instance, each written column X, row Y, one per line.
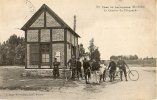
column 74, row 22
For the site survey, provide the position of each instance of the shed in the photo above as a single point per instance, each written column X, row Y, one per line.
column 47, row 37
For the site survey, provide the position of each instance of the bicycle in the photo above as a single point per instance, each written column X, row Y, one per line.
column 132, row 74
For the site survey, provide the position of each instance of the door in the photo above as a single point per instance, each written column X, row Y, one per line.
column 74, row 51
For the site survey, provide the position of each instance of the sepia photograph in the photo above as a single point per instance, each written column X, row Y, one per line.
column 78, row 50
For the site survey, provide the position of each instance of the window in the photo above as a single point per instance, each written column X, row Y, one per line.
column 34, row 54
column 45, row 58
column 45, row 54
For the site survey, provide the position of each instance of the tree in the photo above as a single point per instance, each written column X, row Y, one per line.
column 91, row 48
column 135, row 57
column 10, row 49
column 81, row 50
column 0, row 54
column 125, row 57
column 93, row 51
column 96, row 54
column 20, row 53
column 114, row 57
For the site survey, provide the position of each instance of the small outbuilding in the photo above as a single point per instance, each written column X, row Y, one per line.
column 47, row 37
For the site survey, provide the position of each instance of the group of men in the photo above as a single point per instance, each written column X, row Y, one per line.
column 122, row 67
column 75, row 66
column 88, row 66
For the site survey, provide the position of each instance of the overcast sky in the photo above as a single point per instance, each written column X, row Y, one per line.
column 115, row 33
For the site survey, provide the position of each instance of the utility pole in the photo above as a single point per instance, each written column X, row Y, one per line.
column 74, row 23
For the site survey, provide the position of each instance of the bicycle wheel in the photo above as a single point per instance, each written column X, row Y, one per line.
column 106, row 75
column 133, row 75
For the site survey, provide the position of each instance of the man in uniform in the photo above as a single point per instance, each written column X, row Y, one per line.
column 56, row 69
column 73, row 66
column 95, row 69
column 112, row 70
column 86, row 67
column 122, row 67
column 79, row 72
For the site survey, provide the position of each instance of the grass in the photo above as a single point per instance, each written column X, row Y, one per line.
column 12, row 80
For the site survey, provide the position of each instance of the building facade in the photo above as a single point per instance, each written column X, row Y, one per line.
column 47, row 37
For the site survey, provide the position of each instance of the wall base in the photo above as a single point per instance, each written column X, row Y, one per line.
column 45, row 73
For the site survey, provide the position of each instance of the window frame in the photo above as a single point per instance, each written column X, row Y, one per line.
column 34, row 59
column 45, row 52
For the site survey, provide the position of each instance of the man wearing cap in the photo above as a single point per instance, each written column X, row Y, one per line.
column 56, row 69
column 122, row 67
column 79, row 72
column 86, row 68
column 73, row 66
column 112, row 69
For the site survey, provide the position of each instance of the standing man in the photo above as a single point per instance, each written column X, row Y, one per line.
column 73, row 66
column 56, row 69
column 95, row 69
column 112, row 70
column 122, row 67
column 86, row 67
column 79, row 72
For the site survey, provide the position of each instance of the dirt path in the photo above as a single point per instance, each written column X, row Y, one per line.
column 143, row 89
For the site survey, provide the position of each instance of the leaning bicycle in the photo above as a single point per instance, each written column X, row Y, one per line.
column 132, row 74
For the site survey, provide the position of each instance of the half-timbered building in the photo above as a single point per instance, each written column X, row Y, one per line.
column 47, row 37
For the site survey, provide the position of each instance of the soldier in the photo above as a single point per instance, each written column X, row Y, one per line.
column 96, row 69
column 122, row 67
column 86, row 67
column 79, row 72
column 56, row 69
column 72, row 62
column 112, row 70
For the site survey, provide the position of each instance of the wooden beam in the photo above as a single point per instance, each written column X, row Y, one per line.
column 51, row 49
column 53, row 42
column 36, row 28
column 65, row 47
column 26, row 49
column 39, row 39
column 33, row 19
column 55, row 17
column 45, row 19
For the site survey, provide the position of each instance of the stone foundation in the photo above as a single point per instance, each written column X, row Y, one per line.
column 45, row 73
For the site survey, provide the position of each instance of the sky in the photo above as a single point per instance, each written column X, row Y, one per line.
column 115, row 33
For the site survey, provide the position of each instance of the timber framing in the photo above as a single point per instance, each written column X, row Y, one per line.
column 26, row 49
column 65, row 47
column 44, row 9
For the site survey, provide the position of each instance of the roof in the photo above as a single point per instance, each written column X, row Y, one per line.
column 44, row 7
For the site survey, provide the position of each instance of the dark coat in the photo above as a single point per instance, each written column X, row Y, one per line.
column 78, row 64
column 95, row 66
column 121, row 64
column 56, row 64
column 112, row 65
column 86, row 65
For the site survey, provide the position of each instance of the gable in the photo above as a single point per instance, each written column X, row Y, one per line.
column 50, row 21
column 45, row 17
column 39, row 22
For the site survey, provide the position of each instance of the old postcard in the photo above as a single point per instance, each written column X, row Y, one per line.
column 78, row 50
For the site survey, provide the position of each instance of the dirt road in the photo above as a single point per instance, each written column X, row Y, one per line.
column 143, row 89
